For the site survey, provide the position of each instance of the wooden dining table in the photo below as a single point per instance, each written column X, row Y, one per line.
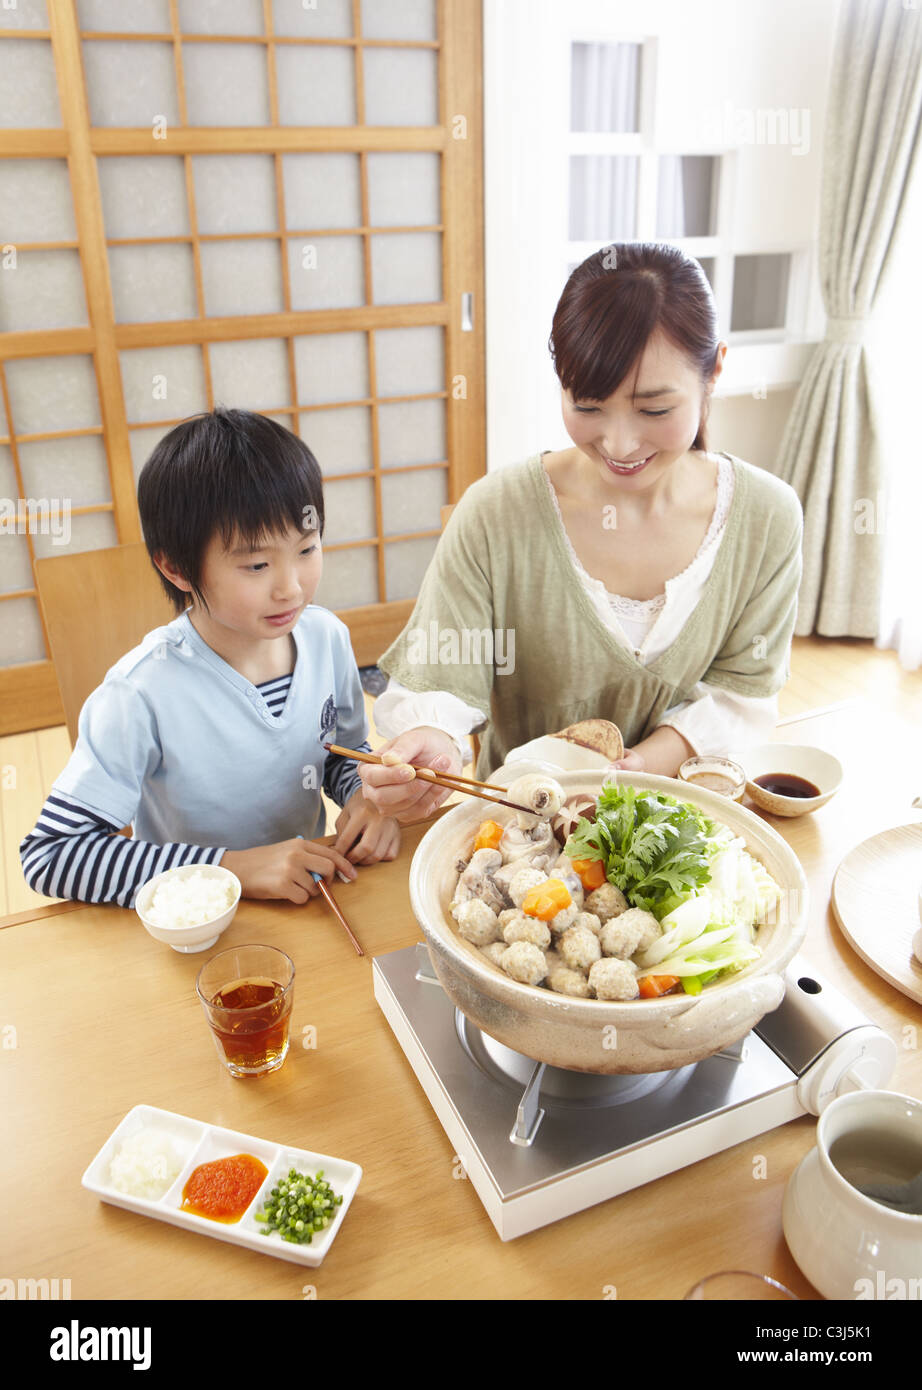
column 96, row 1017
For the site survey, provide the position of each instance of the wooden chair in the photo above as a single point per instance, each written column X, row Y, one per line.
column 97, row 605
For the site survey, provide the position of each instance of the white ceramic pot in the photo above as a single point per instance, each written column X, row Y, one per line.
column 592, row 1035
column 848, row 1245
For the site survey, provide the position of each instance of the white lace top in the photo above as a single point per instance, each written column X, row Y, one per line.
column 713, row 720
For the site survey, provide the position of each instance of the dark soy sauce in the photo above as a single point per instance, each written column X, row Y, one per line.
column 786, row 784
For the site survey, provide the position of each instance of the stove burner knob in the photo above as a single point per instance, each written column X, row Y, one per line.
column 861, row 1059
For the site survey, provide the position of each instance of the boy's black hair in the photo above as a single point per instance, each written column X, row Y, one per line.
column 231, row 473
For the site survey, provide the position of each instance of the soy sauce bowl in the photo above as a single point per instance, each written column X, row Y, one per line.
column 812, row 764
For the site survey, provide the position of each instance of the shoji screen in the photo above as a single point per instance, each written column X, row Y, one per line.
column 271, row 204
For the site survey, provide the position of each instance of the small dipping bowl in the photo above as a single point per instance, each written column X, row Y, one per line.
column 204, row 934
column 812, row 764
column 717, row 774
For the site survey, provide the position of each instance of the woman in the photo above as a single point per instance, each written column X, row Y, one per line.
column 636, row 577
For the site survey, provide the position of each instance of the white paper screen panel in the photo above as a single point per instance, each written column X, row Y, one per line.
column 605, row 87
column 406, row 268
column 9, row 487
column 398, row 19
column 401, row 86
column 328, row 273
column 324, row 19
column 234, row 193
column 28, row 93
column 70, row 470
column 316, row 86
column 411, row 432
column 43, row 291
column 340, row 440
column 21, row 638
column 413, row 501
column 28, row 14
column 322, row 191
column 52, row 393
column 409, row 361
column 152, row 283
column 332, row 367
column 130, row 82
column 350, row 578
column 242, row 277
column 603, row 197
column 119, row 17
column 404, row 189
column 349, row 511
column 163, row 383
column 250, row 374
column 143, row 197
column 90, row 531
column 226, row 84
column 405, row 563
column 221, row 16
column 15, row 564
column 36, row 201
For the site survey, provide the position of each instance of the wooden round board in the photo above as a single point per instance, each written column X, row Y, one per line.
column 875, row 896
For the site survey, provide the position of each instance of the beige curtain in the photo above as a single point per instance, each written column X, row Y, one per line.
column 830, row 451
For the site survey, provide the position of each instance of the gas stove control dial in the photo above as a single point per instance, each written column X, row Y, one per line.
column 861, row 1059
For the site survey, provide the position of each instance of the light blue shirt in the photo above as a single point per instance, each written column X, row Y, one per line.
column 180, row 745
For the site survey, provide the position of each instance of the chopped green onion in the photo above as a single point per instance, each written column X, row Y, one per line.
column 298, row 1206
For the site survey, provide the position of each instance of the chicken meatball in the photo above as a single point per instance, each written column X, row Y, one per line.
column 523, row 880
column 563, row 919
column 613, row 979
column 494, row 952
column 524, row 962
column 520, row 927
column 589, row 920
column 606, row 902
column 563, row 980
column 579, row 948
column 477, row 923
column 632, row 931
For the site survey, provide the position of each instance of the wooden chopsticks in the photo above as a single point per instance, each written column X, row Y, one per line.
column 455, row 783
column 319, row 880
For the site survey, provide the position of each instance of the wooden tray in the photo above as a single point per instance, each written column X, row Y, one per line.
column 875, row 897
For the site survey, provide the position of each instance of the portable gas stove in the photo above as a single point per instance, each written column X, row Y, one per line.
column 540, row 1143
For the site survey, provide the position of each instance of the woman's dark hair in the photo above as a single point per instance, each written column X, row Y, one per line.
column 612, row 305
column 230, row 473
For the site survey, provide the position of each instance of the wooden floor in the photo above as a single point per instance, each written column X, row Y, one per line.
column 824, row 671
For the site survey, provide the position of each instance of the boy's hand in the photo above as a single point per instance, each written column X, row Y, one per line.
column 364, row 835
column 284, row 870
column 392, row 786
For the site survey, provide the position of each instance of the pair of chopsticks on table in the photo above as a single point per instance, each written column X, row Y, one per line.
column 485, row 790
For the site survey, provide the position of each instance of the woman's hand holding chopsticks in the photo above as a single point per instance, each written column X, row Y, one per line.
column 392, row 788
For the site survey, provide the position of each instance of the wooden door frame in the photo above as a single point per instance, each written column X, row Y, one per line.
column 30, row 696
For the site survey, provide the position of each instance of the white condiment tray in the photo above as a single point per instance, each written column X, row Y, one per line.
column 202, row 1143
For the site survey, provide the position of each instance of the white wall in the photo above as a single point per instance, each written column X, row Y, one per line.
column 719, row 62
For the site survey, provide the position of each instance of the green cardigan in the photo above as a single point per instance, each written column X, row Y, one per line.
column 503, row 622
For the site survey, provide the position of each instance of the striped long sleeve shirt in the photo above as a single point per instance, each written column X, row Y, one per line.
column 75, row 850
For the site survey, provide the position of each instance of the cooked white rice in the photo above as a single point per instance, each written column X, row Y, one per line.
column 146, row 1164
column 189, row 902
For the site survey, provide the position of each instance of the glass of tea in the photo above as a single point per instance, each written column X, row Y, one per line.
column 246, row 993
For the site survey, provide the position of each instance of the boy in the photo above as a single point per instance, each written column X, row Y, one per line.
column 208, row 736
